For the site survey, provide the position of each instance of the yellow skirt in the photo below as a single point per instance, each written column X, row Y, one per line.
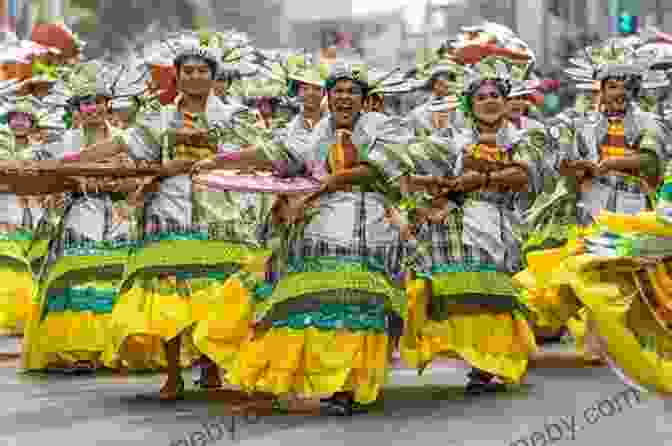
column 622, row 319
column 62, row 339
column 496, row 343
column 145, row 316
column 16, row 293
column 225, row 317
column 543, row 284
column 313, row 362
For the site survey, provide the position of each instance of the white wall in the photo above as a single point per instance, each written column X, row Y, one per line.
column 315, row 10
column 383, row 49
column 530, row 23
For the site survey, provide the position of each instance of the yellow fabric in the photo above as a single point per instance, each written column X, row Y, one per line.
column 609, row 302
column 488, row 152
column 313, row 362
column 577, row 327
column 543, row 284
column 69, row 337
column 144, row 316
column 644, row 222
column 499, row 344
column 417, row 310
column 225, row 319
column 16, row 293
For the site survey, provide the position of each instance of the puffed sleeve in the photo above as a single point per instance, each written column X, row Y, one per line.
column 653, row 145
column 529, row 151
column 384, row 131
column 144, row 139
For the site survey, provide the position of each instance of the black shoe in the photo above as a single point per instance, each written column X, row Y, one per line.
column 336, row 408
column 493, row 387
column 475, row 388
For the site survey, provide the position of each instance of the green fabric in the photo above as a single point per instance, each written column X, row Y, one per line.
column 16, row 236
column 98, row 248
column 69, row 264
column 96, row 300
column 327, row 264
column 337, row 286
column 338, row 316
column 185, row 252
column 650, row 166
column 457, row 268
column 487, row 283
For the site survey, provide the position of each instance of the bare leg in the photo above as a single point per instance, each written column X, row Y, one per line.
column 210, row 374
column 174, row 384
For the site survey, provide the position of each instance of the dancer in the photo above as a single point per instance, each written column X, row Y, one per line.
column 474, row 312
column 87, row 256
column 22, row 138
column 327, row 313
column 193, row 238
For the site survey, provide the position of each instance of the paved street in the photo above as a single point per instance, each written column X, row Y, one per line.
column 105, row 410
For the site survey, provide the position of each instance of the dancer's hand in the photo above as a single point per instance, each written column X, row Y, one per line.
column 204, row 165
column 191, row 136
column 137, row 198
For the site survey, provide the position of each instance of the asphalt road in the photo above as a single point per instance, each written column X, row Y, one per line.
column 588, row 407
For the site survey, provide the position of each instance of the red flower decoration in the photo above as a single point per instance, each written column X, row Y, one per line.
column 165, row 78
column 473, row 54
column 51, row 35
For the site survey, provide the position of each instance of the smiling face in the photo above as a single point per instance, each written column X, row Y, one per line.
column 613, row 95
column 312, row 95
column 195, row 77
column 489, row 104
column 345, row 100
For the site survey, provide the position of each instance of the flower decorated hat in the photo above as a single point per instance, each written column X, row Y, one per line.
column 87, row 80
column 486, row 40
column 57, row 37
column 300, row 69
column 631, row 59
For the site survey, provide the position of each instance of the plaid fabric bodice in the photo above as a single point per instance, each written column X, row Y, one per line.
column 614, row 146
column 192, row 153
column 489, row 152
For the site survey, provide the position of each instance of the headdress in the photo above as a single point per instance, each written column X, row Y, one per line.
column 57, row 37
column 299, row 69
column 430, row 65
column 96, row 78
column 619, row 58
column 91, row 78
column 388, row 82
column 615, row 58
column 497, row 40
column 231, row 47
column 493, row 69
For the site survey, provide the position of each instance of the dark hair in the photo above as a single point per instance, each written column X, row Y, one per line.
column 503, row 87
column 450, row 77
column 180, row 60
column 331, row 83
column 631, row 83
column 466, row 102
